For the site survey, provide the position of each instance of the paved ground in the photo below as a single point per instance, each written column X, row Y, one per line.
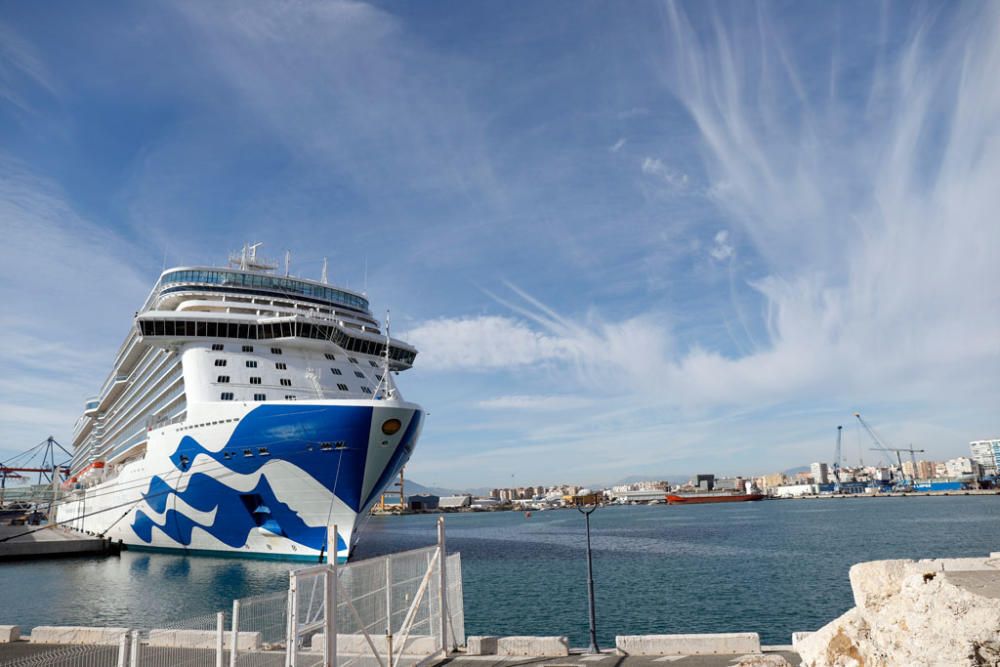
column 48, row 543
column 24, row 653
column 981, row 582
column 609, row 660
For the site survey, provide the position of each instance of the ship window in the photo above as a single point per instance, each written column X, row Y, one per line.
column 263, row 451
column 359, row 374
column 260, row 397
column 336, row 371
column 281, row 366
column 246, row 348
column 342, row 387
column 254, row 379
column 275, row 350
column 222, row 378
column 352, row 360
column 220, row 362
column 251, row 364
column 289, row 397
column 248, row 452
column 285, row 382
column 366, row 390
column 217, row 347
column 226, row 396
column 330, row 357
column 374, row 365
column 378, row 376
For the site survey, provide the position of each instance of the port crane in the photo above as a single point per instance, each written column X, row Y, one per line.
column 836, row 462
column 882, row 447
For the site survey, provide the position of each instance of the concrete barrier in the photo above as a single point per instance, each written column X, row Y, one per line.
column 731, row 643
column 481, row 645
column 537, row 647
column 357, row 644
column 246, row 641
column 9, row 633
column 797, row 637
column 72, row 634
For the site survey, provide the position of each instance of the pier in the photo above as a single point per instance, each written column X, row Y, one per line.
column 33, row 542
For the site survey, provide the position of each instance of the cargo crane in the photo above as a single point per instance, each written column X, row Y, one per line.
column 836, row 463
column 893, row 450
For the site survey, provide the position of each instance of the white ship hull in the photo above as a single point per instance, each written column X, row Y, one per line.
column 251, row 479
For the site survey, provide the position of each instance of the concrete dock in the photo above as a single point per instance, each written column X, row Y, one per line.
column 50, row 542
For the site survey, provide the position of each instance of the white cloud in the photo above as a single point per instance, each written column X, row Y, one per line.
column 721, row 249
column 672, row 177
column 68, row 289
column 536, row 402
column 617, row 146
column 482, row 343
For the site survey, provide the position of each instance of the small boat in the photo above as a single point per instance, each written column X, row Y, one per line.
column 699, row 498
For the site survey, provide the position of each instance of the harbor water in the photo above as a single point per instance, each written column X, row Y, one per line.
column 771, row 567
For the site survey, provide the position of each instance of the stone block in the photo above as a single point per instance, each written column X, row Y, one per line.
column 798, row 636
column 246, row 641
column 536, row 647
column 72, row 634
column 481, row 645
column 9, row 633
column 731, row 643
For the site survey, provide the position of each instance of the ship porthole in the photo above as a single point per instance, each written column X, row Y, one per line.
column 391, row 426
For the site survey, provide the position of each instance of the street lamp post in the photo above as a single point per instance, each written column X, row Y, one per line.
column 590, row 583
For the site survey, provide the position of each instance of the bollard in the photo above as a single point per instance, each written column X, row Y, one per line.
column 220, row 635
column 234, row 643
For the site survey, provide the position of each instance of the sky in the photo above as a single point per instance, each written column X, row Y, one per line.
column 652, row 238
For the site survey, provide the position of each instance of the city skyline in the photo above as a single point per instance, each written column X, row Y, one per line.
column 686, row 236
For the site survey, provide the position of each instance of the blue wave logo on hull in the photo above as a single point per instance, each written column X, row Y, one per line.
column 329, row 443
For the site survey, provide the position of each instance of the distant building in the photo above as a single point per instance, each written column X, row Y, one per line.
column 961, row 467
column 422, row 502
column 705, row 482
column 940, row 470
column 584, row 497
column 987, row 454
column 454, row 502
column 820, row 473
column 771, row 481
column 925, row 470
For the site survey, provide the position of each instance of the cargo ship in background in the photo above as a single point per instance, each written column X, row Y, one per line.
column 245, row 414
column 711, row 497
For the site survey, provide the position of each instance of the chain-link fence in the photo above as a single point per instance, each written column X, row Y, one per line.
column 388, row 614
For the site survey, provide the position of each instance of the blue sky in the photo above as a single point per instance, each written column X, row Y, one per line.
column 644, row 238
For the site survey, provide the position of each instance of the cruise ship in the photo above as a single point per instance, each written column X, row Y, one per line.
column 246, row 412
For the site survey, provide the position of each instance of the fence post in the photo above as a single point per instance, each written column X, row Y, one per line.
column 234, row 640
column 220, row 638
column 330, row 602
column 123, row 650
column 388, row 609
column 293, row 603
column 134, row 649
column 443, row 592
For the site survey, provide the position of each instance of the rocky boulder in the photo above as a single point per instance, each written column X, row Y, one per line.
column 914, row 613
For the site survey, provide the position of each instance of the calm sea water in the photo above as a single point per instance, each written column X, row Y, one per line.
column 769, row 567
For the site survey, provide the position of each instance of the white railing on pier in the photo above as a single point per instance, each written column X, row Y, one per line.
column 400, row 610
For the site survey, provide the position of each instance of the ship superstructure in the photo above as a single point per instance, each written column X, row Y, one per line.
column 246, row 411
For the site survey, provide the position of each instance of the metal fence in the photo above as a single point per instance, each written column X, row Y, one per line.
column 400, row 610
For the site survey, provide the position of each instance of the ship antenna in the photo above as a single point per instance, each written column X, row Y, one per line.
column 323, row 277
column 288, row 261
column 386, row 385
